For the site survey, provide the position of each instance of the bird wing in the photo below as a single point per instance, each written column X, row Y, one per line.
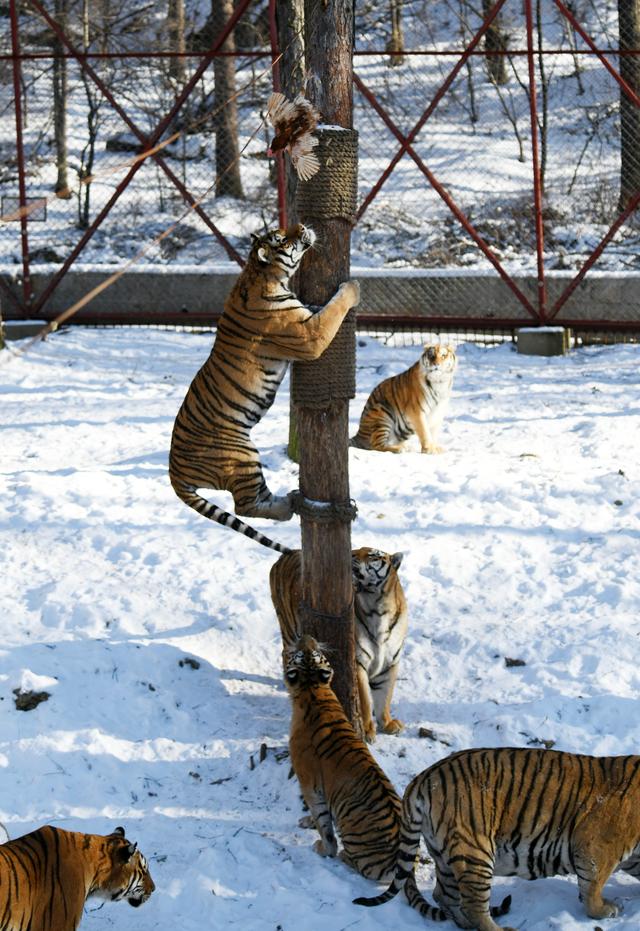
column 279, row 109
column 304, row 159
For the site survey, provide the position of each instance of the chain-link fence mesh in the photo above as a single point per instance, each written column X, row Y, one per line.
column 450, row 186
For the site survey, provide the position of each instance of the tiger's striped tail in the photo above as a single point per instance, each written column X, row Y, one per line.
column 405, row 879
column 417, row 900
column 407, row 852
column 212, row 512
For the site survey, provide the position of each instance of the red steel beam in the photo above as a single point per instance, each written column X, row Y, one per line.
column 374, row 53
column 631, row 207
column 595, row 255
column 446, row 197
column 598, row 52
column 407, row 140
column 89, row 317
column 148, row 141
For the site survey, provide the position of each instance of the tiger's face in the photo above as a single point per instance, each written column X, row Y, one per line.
column 371, row 568
column 439, row 359
column 129, row 877
column 306, row 665
column 283, row 249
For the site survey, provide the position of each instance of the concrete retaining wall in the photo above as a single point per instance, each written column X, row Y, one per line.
column 196, row 295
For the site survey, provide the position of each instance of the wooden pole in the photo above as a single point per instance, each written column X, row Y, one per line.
column 327, row 586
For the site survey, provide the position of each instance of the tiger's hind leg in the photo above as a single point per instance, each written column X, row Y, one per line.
column 251, row 496
column 382, row 687
column 594, row 862
column 473, row 880
column 327, row 844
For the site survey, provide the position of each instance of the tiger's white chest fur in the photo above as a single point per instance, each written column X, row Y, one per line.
column 381, row 631
column 381, row 628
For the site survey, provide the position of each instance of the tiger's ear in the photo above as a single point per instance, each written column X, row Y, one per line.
column 396, row 559
column 119, row 831
column 126, row 852
column 262, row 254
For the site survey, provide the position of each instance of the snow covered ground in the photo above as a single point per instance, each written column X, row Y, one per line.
column 154, row 634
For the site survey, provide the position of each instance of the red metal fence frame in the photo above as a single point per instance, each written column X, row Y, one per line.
column 538, row 311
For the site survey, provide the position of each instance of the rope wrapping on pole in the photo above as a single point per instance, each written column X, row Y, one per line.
column 331, row 194
column 324, row 512
column 310, row 618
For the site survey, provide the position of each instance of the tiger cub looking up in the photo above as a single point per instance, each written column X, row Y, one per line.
column 263, row 327
column 520, row 812
column 414, row 401
column 380, row 609
column 341, row 782
column 46, row 876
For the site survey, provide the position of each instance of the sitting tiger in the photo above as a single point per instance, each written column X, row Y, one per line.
column 380, row 610
column 264, row 327
column 46, row 876
column 414, row 401
column 520, row 812
column 340, row 781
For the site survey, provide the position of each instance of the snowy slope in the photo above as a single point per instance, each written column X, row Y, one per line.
column 154, row 634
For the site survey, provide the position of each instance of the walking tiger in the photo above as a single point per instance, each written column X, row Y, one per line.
column 46, row 876
column 414, row 401
column 263, row 327
column 520, row 812
column 380, row 610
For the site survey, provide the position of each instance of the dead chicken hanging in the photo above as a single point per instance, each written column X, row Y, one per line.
column 294, row 121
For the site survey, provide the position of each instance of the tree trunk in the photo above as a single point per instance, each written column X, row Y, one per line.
column 228, row 180
column 60, row 104
column 175, row 26
column 327, row 583
column 396, row 41
column 629, row 29
column 495, row 41
column 290, row 23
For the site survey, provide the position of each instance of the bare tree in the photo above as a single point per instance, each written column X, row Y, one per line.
column 495, row 43
column 290, row 22
column 175, row 26
column 60, row 103
column 228, row 180
column 629, row 39
column 395, row 45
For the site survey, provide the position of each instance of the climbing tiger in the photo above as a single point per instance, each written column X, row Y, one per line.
column 380, row 610
column 46, row 876
column 263, row 327
column 520, row 812
column 413, row 402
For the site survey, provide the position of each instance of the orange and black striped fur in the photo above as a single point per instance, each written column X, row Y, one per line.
column 413, row 402
column 520, row 812
column 341, row 783
column 264, row 326
column 46, row 876
column 380, row 610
